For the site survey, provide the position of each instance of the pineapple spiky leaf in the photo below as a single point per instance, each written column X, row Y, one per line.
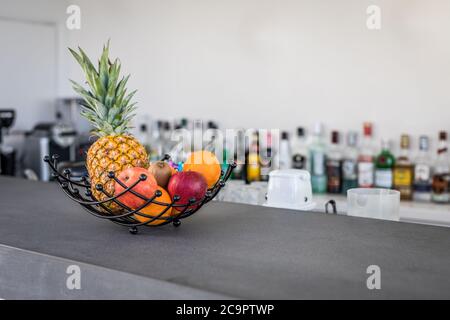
column 103, row 66
column 107, row 106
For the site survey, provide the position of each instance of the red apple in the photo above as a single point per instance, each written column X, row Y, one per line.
column 187, row 185
column 145, row 187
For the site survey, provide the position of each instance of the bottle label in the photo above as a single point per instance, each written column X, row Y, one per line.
column 318, row 168
column 266, row 167
column 383, row 178
column 402, row 177
column 298, row 161
column 422, row 172
column 334, row 175
column 441, row 198
column 349, row 184
column 440, row 184
column 319, row 184
column 440, row 188
column 365, row 174
column 422, row 186
column 349, row 169
column 253, row 167
column 237, row 172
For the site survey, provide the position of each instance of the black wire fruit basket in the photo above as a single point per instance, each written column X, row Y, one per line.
column 79, row 190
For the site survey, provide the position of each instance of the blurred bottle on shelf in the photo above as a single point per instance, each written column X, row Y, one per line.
column 299, row 150
column 225, row 156
column 441, row 172
column 156, row 143
column 422, row 172
column 197, row 135
column 182, row 143
column 144, row 138
column 266, row 159
column 334, row 165
column 284, row 154
column 384, row 166
column 317, row 151
column 216, row 143
column 404, row 170
column 365, row 158
column 182, row 123
column 177, row 153
column 253, row 170
column 349, row 163
column 211, row 137
column 239, row 150
column 167, row 141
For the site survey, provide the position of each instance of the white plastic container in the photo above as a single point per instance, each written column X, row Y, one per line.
column 290, row 189
column 373, row 203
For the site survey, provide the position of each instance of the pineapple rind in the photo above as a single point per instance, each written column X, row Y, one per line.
column 113, row 153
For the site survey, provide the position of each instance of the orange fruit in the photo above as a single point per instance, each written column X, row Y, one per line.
column 205, row 163
column 154, row 209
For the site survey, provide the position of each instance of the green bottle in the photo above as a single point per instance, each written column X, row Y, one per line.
column 350, row 163
column 317, row 151
column 384, row 166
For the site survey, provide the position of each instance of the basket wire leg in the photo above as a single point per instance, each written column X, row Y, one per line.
column 176, row 223
column 133, row 230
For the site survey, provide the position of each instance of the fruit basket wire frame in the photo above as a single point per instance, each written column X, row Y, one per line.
column 80, row 192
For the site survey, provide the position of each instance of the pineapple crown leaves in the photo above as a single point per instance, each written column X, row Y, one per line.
column 107, row 104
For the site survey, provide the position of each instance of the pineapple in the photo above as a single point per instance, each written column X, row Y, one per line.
column 107, row 106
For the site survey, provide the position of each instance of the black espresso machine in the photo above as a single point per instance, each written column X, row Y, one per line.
column 48, row 139
column 7, row 153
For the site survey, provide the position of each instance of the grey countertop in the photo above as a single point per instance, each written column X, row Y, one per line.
column 223, row 251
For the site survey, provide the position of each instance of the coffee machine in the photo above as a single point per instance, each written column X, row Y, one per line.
column 7, row 153
column 48, row 139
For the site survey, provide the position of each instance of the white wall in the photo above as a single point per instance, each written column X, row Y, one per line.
column 278, row 63
column 30, row 79
column 33, row 66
